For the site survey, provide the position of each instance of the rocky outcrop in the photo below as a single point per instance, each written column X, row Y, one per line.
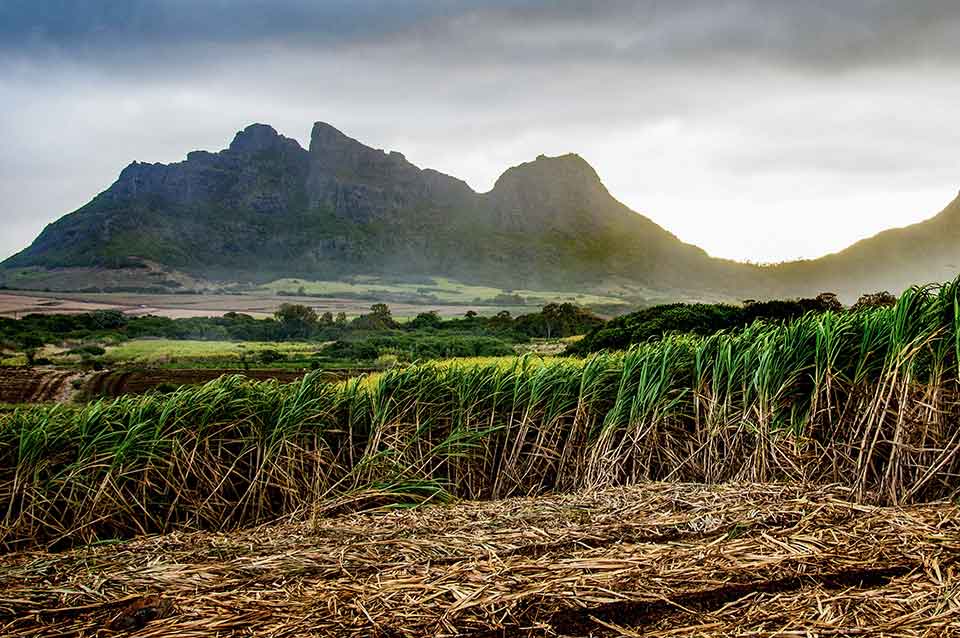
column 552, row 192
column 265, row 207
column 363, row 184
column 261, row 170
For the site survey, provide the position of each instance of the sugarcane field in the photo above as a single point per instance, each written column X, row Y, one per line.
column 479, row 319
column 786, row 478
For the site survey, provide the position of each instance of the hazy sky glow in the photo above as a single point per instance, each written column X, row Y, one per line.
column 757, row 129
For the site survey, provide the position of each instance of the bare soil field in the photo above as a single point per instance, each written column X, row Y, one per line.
column 121, row 382
column 36, row 385
column 15, row 305
column 45, row 385
column 649, row 560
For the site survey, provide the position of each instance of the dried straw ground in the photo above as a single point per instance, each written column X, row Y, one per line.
column 650, row 560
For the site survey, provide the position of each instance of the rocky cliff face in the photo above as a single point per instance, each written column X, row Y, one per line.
column 551, row 192
column 265, row 207
column 362, row 184
column 261, row 170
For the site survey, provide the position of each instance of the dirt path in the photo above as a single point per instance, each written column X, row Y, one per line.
column 39, row 385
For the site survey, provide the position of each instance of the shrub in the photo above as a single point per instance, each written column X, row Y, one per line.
column 697, row 319
column 875, row 300
column 269, row 356
column 92, row 349
column 349, row 351
column 423, row 320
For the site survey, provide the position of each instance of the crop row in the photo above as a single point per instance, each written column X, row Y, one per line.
column 868, row 400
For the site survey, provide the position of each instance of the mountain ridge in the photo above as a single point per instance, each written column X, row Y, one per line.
column 265, row 207
column 894, row 259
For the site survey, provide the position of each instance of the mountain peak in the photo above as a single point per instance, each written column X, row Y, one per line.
column 562, row 191
column 254, row 138
column 571, row 158
column 567, row 172
column 567, row 177
column 267, row 207
column 325, row 136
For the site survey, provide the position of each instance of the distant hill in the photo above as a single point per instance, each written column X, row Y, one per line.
column 265, row 208
column 892, row 260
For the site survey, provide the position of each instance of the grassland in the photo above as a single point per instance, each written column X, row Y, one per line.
column 180, row 353
column 152, row 352
column 15, row 359
column 436, row 289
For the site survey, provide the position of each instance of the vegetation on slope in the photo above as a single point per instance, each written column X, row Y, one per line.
column 893, row 259
column 697, row 319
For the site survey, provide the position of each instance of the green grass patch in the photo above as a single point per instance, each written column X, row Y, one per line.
column 165, row 351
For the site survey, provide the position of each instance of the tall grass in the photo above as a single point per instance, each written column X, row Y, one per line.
column 866, row 399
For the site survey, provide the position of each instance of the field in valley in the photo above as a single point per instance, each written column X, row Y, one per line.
column 24, row 387
column 449, row 298
column 177, row 306
column 194, row 353
column 142, row 365
column 432, row 290
column 16, row 305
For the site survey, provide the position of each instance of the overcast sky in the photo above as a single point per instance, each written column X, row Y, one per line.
column 760, row 130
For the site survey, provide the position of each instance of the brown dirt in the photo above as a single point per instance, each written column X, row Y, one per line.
column 15, row 305
column 654, row 560
column 45, row 385
column 37, row 385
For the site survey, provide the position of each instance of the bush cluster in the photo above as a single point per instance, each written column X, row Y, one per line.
column 698, row 319
column 298, row 322
column 406, row 347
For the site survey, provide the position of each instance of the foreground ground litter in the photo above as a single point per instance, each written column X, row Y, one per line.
column 656, row 559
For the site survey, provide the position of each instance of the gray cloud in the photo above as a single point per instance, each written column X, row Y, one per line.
column 820, row 33
column 98, row 28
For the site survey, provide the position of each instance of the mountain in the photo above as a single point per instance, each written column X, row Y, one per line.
column 892, row 260
column 266, row 208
